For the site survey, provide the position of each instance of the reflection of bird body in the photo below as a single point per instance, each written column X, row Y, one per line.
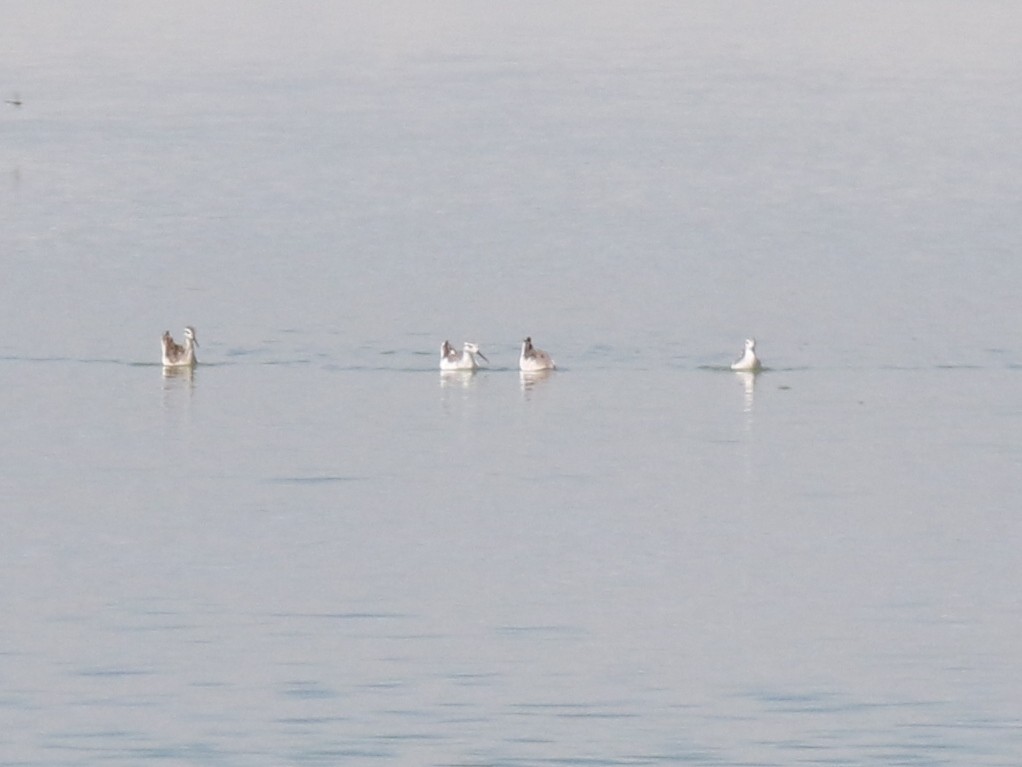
column 748, row 381
column 178, row 356
column 452, row 359
column 749, row 362
column 533, row 359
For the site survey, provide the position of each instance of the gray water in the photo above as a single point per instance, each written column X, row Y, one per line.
column 316, row 549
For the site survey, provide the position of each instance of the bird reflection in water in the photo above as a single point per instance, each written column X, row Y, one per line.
column 457, row 379
column 748, row 381
column 531, row 380
column 183, row 373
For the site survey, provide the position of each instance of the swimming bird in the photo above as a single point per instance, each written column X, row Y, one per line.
column 533, row 359
column 749, row 362
column 177, row 356
column 452, row 359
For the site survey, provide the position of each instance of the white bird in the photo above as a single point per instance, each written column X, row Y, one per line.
column 749, row 362
column 452, row 359
column 533, row 359
column 177, row 356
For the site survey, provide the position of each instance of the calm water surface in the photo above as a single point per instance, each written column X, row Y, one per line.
column 316, row 549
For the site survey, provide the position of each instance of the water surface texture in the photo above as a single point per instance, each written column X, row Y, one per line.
column 315, row 549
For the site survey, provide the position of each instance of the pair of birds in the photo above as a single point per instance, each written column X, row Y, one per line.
column 177, row 356
column 531, row 360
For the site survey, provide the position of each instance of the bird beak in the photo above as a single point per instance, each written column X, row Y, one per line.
column 483, row 356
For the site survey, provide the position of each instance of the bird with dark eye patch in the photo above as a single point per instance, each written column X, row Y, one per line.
column 452, row 359
column 177, row 356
